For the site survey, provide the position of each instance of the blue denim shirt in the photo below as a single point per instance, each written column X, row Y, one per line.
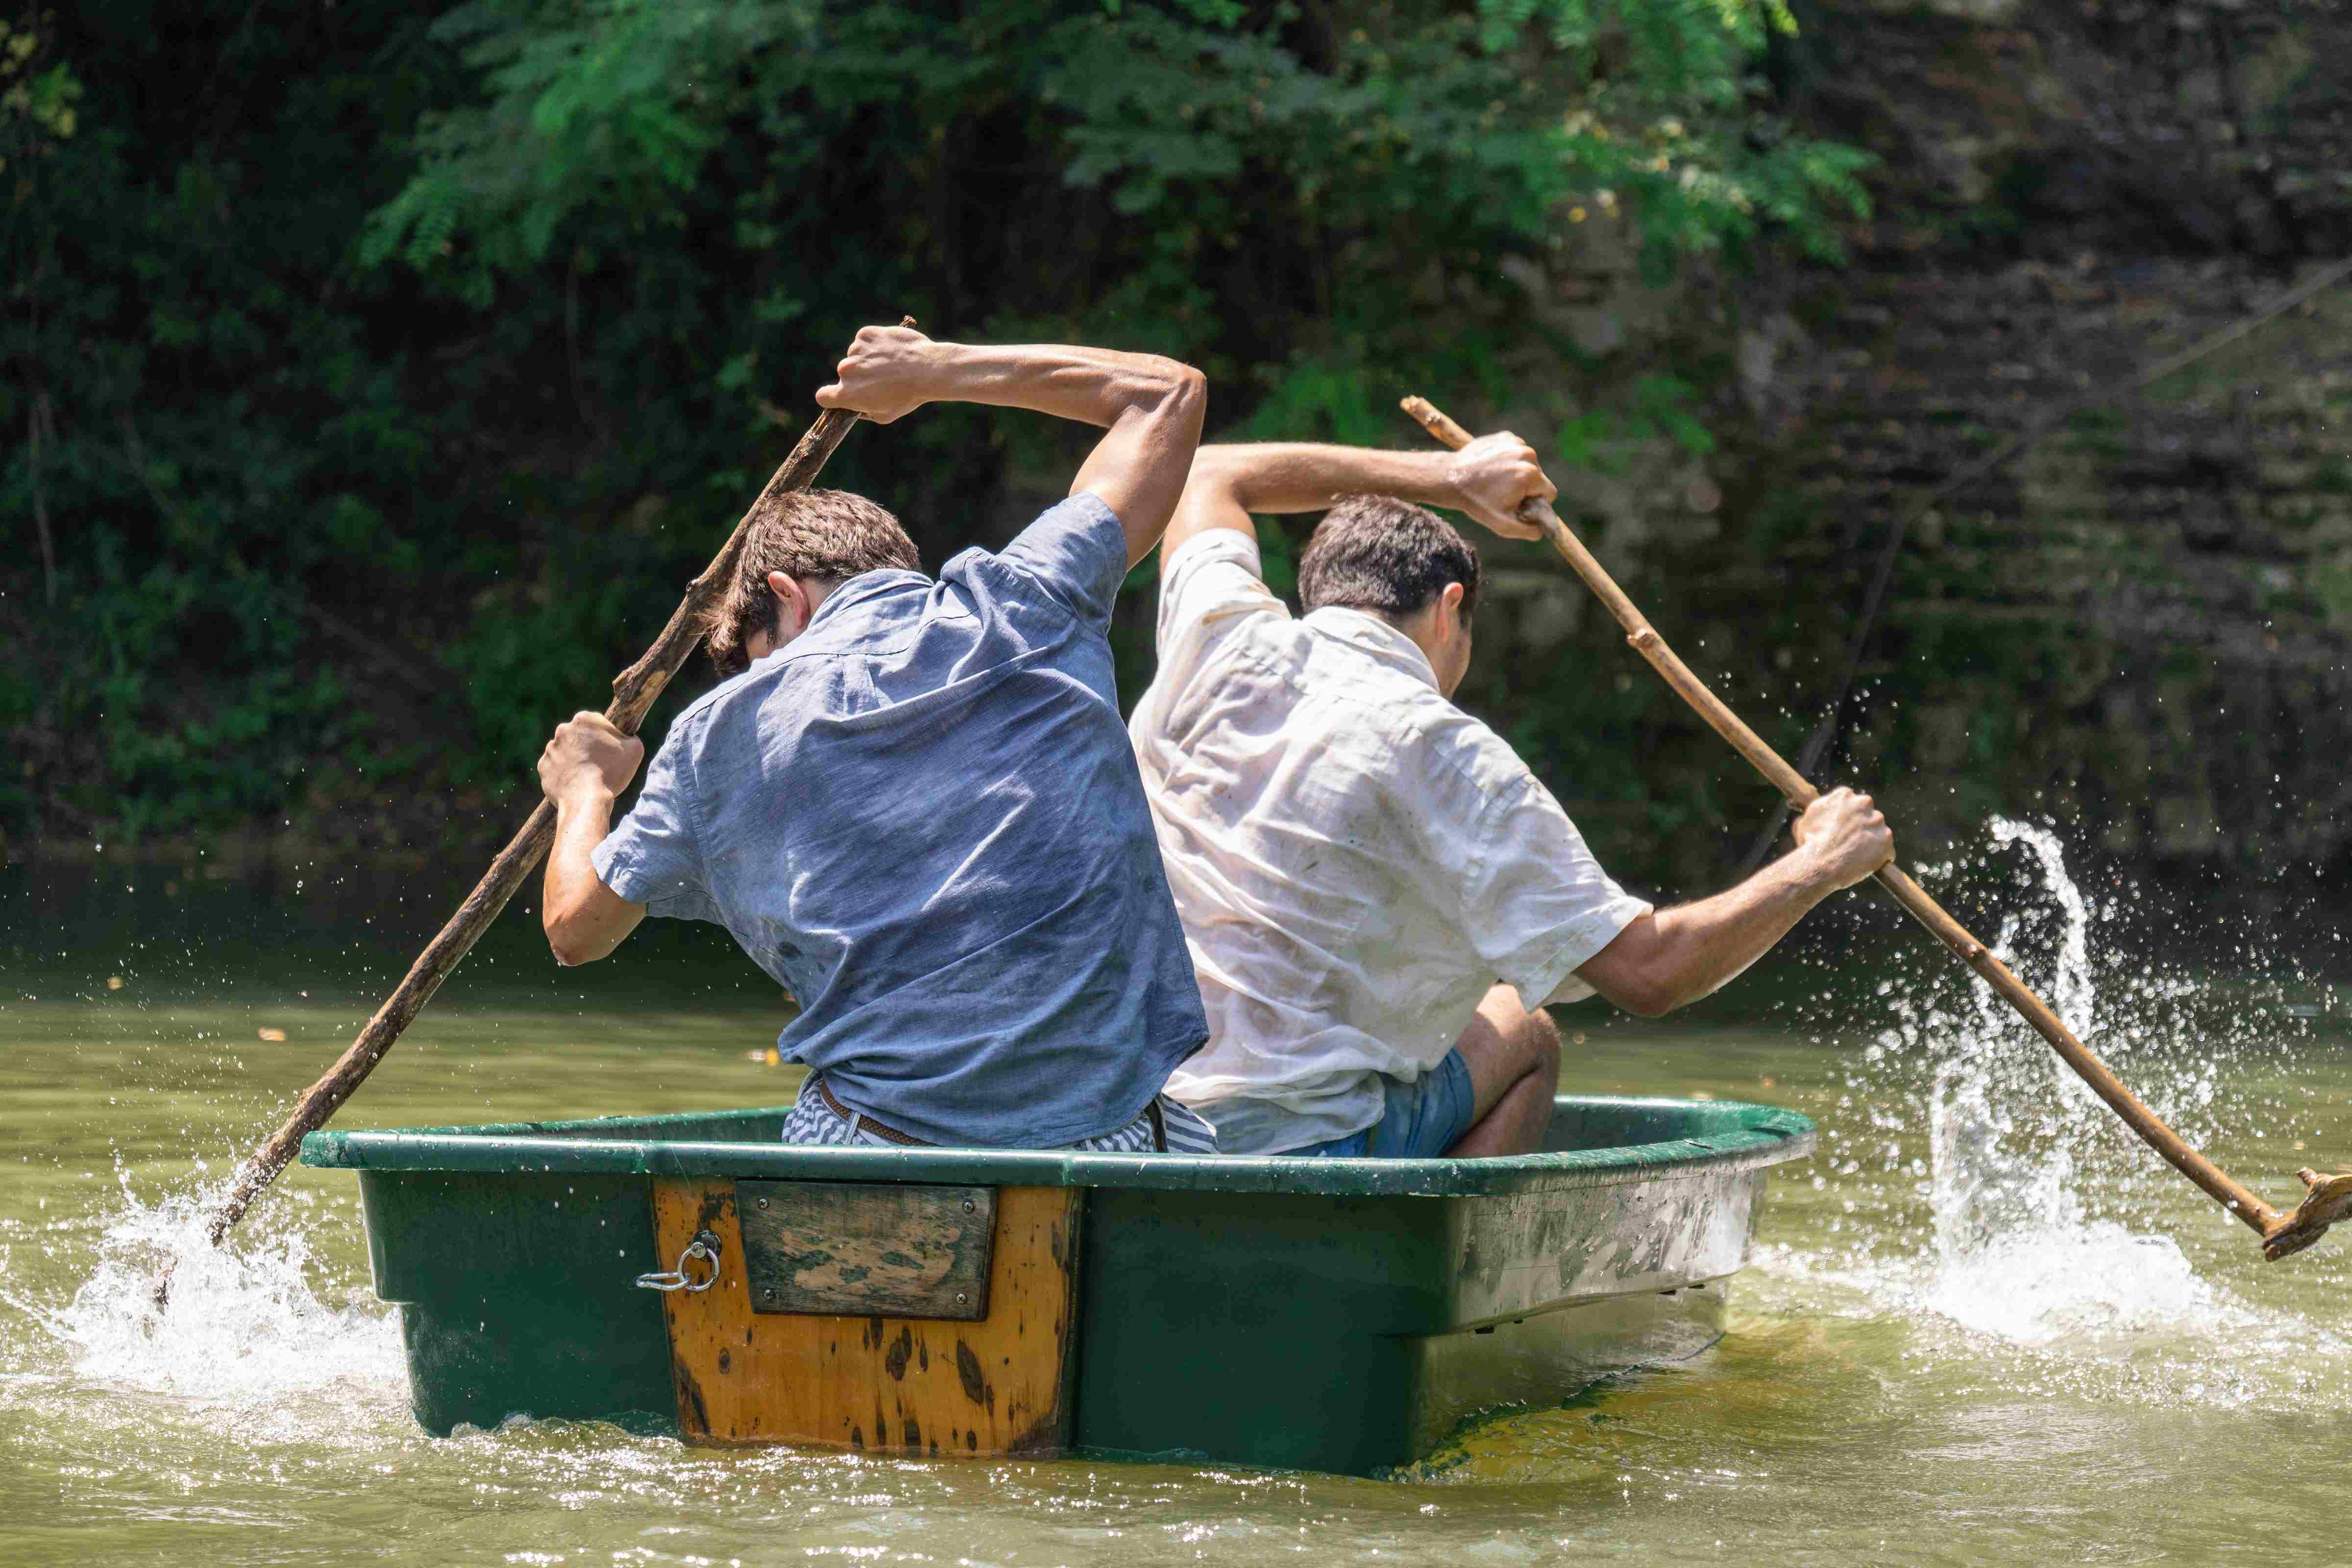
column 923, row 817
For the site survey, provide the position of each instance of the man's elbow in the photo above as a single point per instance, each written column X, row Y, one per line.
column 1182, row 392
column 1221, row 476
column 1647, row 997
column 571, row 944
column 1647, row 1004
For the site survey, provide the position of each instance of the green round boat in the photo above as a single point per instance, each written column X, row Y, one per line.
column 691, row 1274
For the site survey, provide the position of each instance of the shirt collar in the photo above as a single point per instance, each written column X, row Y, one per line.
column 865, row 586
column 1376, row 637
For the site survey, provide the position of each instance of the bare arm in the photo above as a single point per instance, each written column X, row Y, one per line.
column 1489, row 480
column 1670, row 957
column 1151, row 408
column 584, row 767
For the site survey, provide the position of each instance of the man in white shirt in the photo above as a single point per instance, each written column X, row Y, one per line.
column 1358, row 862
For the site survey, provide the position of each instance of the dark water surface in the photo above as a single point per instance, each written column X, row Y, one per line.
column 1979, row 1327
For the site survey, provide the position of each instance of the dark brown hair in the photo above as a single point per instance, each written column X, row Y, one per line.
column 817, row 536
column 1379, row 554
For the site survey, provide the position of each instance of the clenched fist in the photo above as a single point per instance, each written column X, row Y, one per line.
column 889, row 373
column 1493, row 476
column 588, row 755
column 1845, row 836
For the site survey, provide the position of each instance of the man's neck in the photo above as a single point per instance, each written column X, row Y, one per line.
column 1417, row 630
column 1420, row 629
column 818, row 590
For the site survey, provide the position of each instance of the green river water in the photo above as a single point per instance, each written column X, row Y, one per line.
column 1979, row 1326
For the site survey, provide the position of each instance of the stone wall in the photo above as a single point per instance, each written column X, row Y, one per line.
column 2141, row 626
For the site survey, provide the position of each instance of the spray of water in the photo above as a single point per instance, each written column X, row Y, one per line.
column 248, row 1329
column 2016, row 1254
column 2037, row 1201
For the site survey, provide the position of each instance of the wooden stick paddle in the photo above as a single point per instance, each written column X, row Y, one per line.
column 633, row 691
column 2328, row 1197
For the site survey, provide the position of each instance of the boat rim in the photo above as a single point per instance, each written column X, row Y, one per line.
column 1735, row 1135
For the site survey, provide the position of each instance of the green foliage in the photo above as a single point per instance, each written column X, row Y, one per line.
column 2331, row 586
column 37, row 92
column 1465, row 126
column 379, row 378
column 1657, row 408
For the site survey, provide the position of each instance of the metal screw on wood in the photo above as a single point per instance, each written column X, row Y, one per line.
column 959, row 1295
column 967, row 1206
column 764, row 1203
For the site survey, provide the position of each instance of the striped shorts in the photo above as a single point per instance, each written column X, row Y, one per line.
column 817, row 1118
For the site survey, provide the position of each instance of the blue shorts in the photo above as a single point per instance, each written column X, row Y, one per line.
column 1423, row 1119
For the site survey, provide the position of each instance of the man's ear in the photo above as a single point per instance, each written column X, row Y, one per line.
column 793, row 602
column 1451, row 596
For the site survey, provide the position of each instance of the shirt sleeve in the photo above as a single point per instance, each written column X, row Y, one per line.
column 1535, row 903
column 1078, row 550
column 1212, row 576
column 653, row 858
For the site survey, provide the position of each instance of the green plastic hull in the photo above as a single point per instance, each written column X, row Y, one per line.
column 1340, row 1315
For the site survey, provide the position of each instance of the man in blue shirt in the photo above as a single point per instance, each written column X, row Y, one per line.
column 916, row 805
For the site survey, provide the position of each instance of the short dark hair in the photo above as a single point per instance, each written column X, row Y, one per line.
column 1386, row 555
column 824, row 536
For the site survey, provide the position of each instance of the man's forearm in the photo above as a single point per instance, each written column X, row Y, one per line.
column 1092, row 386
column 1715, row 940
column 1676, row 956
column 584, row 920
column 1279, row 477
column 1150, row 406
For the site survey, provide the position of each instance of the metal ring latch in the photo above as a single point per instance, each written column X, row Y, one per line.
column 706, row 1247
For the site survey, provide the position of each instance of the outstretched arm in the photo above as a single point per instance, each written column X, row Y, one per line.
column 1151, row 408
column 1488, row 479
column 1675, row 956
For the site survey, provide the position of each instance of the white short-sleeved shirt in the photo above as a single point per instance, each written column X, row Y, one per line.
column 1355, row 860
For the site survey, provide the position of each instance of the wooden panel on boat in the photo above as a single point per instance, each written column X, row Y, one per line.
column 866, row 1247
column 879, row 1384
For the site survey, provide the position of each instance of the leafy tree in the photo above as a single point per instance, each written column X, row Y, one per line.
column 383, row 377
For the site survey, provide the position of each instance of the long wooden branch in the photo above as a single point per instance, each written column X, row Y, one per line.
column 633, row 691
column 2327, row 1199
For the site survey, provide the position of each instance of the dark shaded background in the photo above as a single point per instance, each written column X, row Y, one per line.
column 376, row 375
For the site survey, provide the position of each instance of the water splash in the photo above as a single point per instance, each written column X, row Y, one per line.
column 245, row 1326
column 2001, row 1119
column 2037, row 1199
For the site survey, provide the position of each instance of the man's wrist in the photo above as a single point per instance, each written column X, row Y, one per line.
column 1451, row 482
column 945, row 367
column 1816, row 875
column 592, row 799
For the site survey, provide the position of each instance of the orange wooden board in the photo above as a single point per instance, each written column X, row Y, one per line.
column 887, row 1385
